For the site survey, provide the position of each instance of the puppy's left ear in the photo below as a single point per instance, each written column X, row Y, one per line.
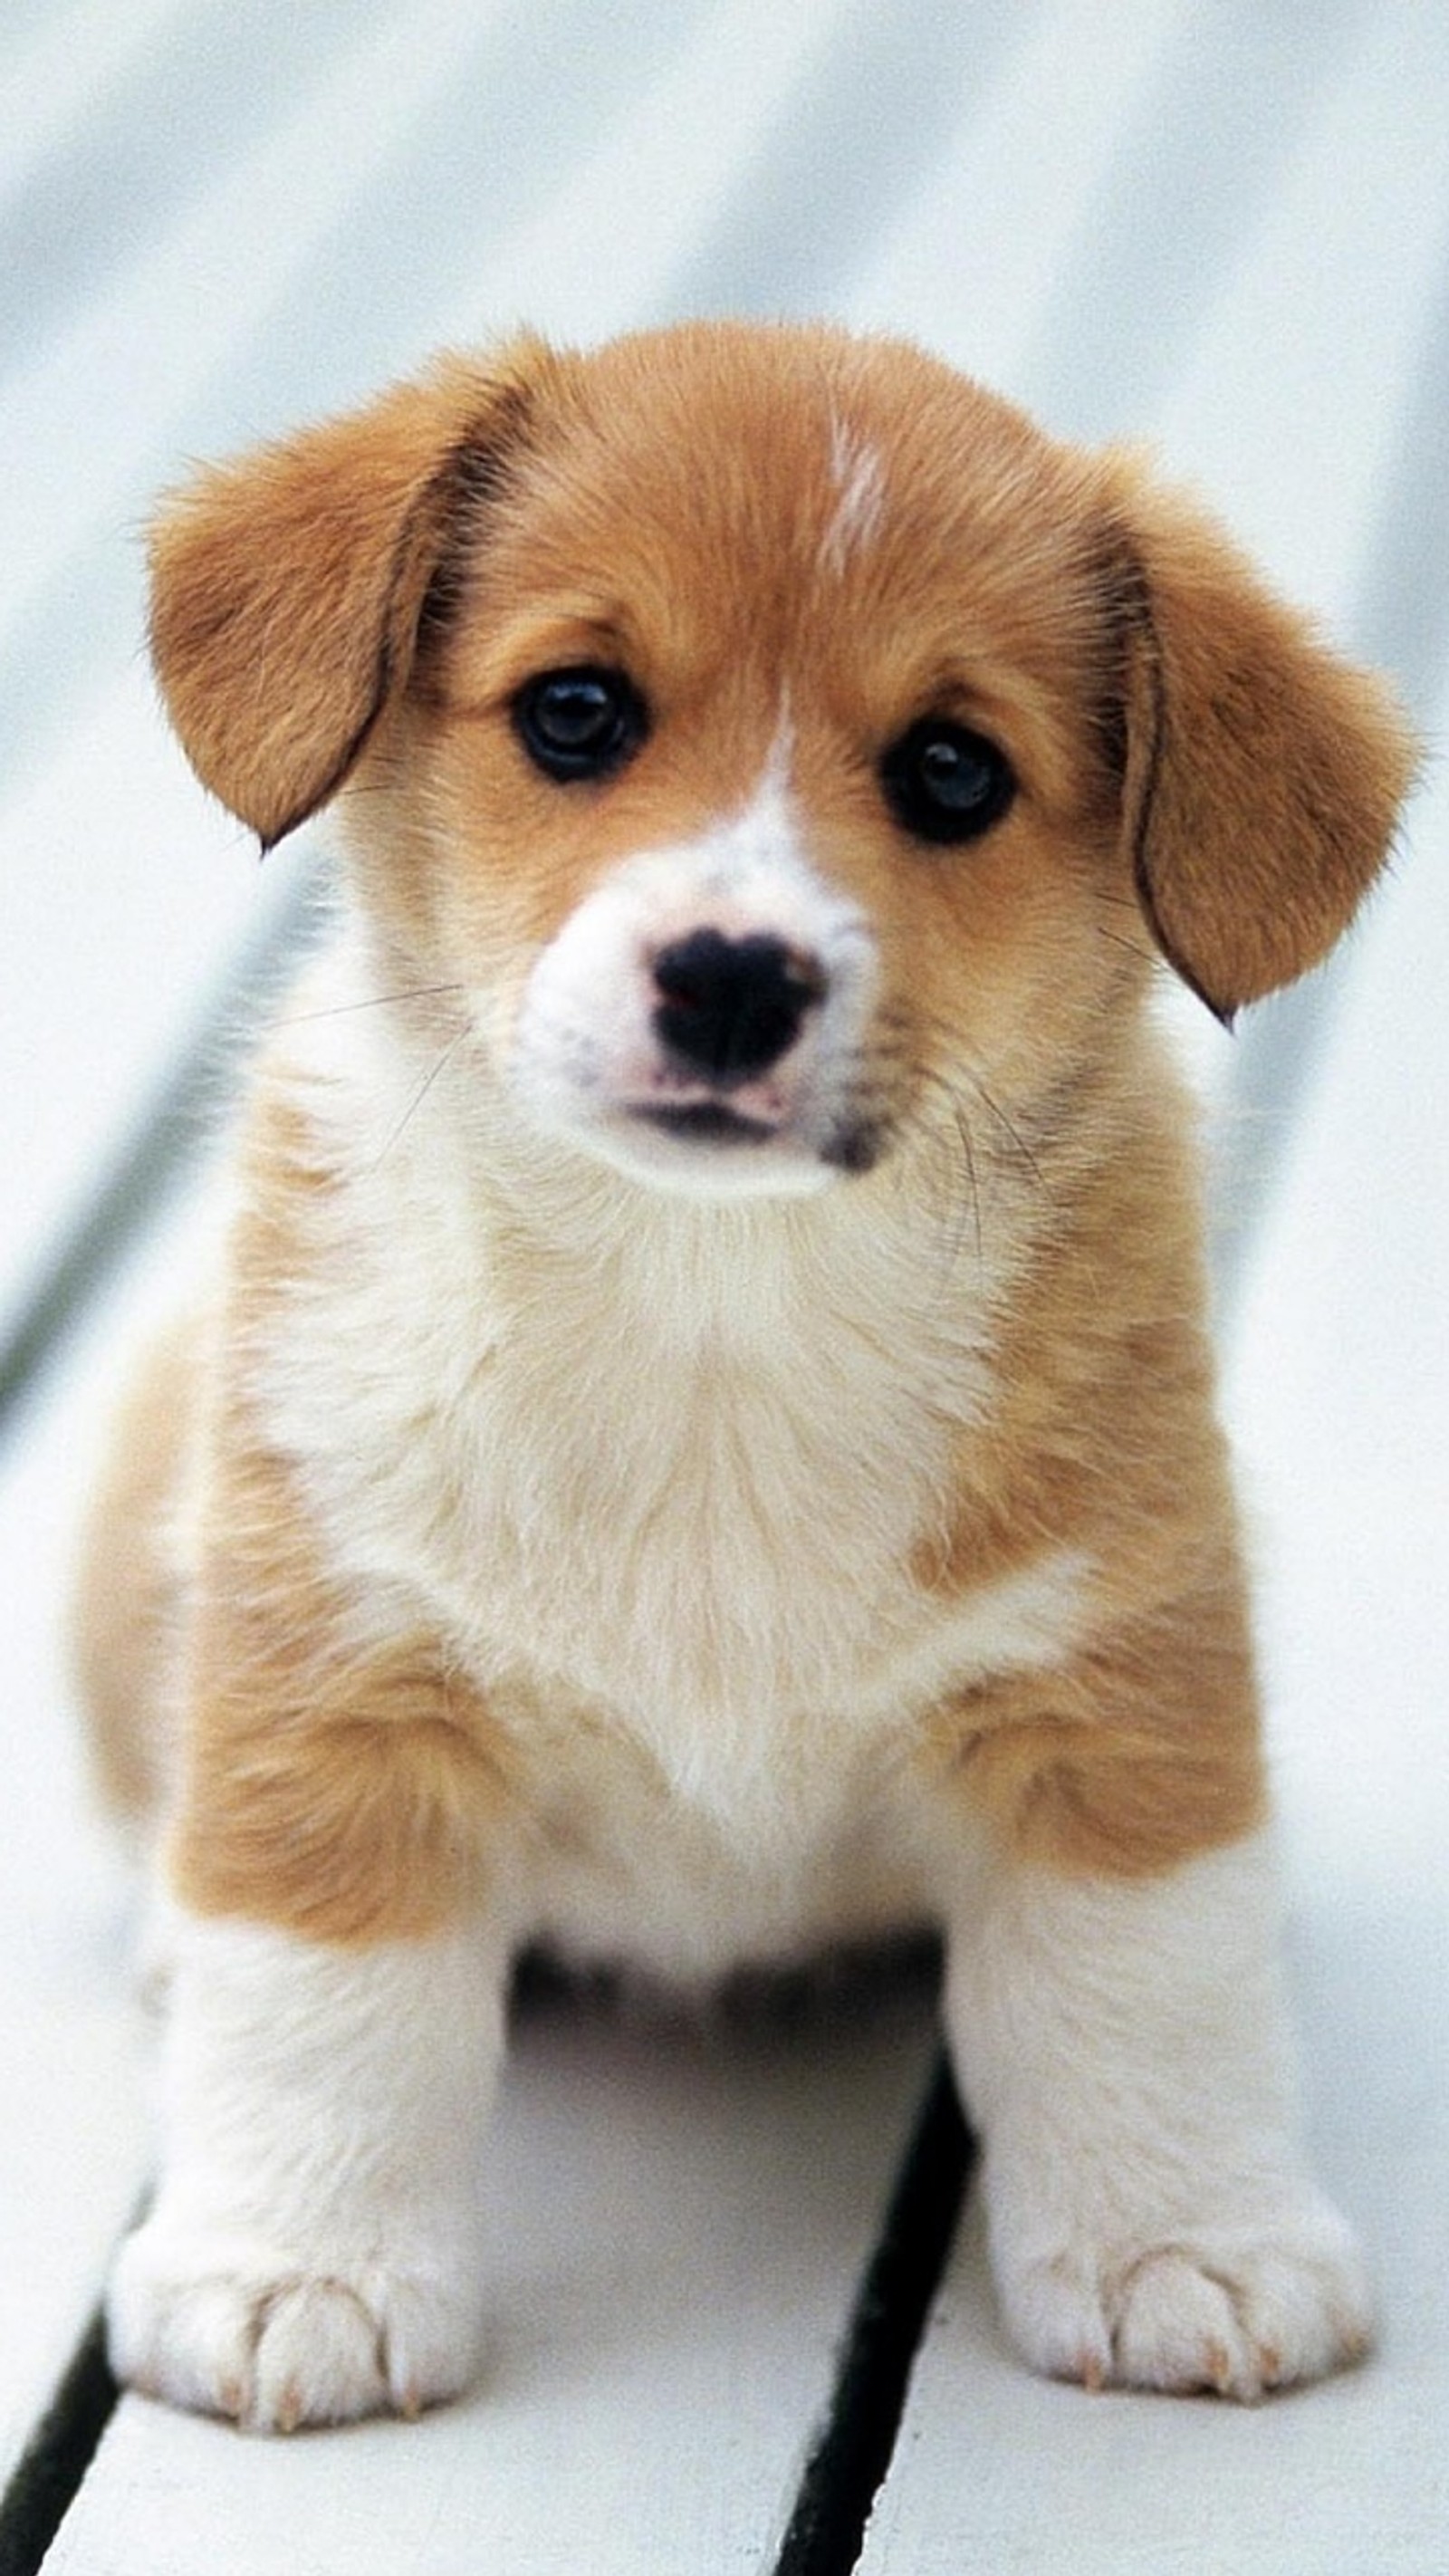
column 289, row 589
column 1263, row 775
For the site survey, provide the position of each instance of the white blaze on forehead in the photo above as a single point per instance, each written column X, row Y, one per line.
column 859, row 478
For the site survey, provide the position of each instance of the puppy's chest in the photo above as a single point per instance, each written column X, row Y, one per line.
column 694, row 1512
column 705, row 1526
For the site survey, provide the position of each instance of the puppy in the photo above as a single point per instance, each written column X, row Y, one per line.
column 703, row 1445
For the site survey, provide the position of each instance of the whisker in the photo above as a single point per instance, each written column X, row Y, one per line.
column 1134, row 947
column 964, row 1077
column 438, row 1066
column 934, row 1135
column 1018, row 1142
column 963, row 1129
column 374, row 1002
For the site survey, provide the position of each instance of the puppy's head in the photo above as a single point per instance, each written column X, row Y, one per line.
column 775, row 738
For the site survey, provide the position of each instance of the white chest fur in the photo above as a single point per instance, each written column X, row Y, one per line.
column 659, row 1462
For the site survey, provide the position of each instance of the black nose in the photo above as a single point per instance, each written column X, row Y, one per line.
column 732, row 1007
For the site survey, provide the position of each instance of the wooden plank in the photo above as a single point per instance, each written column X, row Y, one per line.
column 1290, row 402
column 970, row 262
column 680, row 2216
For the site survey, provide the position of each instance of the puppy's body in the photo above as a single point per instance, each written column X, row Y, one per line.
column 705, row 1446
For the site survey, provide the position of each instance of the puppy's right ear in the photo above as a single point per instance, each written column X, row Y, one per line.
column 289, row 586
column 1263, row 775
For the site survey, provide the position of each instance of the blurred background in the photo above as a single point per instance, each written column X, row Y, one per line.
column 1216, row 225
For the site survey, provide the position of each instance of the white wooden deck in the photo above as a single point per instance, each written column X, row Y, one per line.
column 1222, row 224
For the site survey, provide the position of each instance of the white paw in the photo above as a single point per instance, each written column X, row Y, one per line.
column 232, row 2328
column 1237, row 2309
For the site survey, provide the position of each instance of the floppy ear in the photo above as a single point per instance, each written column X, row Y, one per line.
column 288, row 588
column 1263, row 775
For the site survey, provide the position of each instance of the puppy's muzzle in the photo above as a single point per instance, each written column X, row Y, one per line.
column 702, row 1019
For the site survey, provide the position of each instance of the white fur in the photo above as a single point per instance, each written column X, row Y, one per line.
column 314, row 2250
column 1125, row 2050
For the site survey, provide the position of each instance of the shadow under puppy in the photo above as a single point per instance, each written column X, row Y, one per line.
column 703, row 1445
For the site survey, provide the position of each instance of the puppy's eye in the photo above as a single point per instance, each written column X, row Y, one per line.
column 579, row 723
column 943, row 782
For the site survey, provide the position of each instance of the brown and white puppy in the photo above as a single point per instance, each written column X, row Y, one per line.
column 704, row 1445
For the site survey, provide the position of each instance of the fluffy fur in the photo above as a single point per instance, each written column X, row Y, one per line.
column 696, row 1506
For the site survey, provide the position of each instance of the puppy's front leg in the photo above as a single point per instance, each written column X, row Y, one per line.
column 314, row 2248
column 340, row 1938
column 1121, row 2042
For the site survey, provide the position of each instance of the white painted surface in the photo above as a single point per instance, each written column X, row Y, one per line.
column 677, row 2221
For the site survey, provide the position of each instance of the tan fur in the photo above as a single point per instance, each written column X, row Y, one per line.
column 1146, row 1750
column 316, row 629
column 129, row 1589
column 355, row 610
column 334, row 1783
column 1261, row 772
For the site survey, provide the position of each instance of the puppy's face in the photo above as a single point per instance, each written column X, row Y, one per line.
column 779, row 744
column 767, row 803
